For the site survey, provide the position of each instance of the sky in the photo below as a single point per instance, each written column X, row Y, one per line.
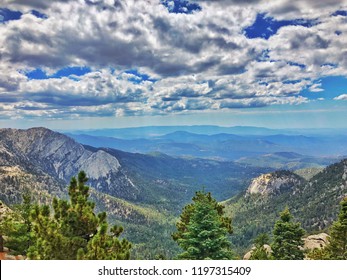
column 79, row 64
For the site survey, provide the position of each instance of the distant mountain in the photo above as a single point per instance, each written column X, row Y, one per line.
column 297, row 150
column 287, row 160
column 155, row 131
column 315, row 203
column 318, row 145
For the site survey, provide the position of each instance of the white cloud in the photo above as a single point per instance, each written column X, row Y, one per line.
column 341, row 97
column 316, row 88
column 200, row 61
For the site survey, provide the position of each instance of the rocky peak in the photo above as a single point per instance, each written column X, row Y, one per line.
column 275, row 183
column 62, row 157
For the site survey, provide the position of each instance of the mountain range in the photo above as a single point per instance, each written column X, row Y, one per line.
column 146, row 192
column 139, row 191
column 321, row 149
column 154, row 131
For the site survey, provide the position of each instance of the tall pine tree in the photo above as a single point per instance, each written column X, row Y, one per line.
column 16, row 225
column 287, row 238
column 337, row 246
column 202, row 230
column 74, row 231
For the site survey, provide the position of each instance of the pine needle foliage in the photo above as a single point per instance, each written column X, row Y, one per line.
column 202, row 231
column 73, row 230
column 287, row 238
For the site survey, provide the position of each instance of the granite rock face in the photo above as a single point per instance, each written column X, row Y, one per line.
column 275, row 183
column 41, row 151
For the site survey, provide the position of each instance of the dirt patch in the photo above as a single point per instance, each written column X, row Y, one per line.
column 2, row 255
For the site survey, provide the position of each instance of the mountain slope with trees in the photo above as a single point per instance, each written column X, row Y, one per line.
column 142, row 192
column 313, row 203
column 145, row 193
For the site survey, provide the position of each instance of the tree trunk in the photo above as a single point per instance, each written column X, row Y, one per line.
column 1, row 243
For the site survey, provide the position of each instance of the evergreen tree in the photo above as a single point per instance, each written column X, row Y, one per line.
column 337, row 247
column 287, row 238
column 104, row 245
column 74, row 230
column 260, row 252
column 202, row 230
column 16, row 226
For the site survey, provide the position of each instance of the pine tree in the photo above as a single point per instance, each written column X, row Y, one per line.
column 16, row 226
column 202, row 230
column 287, row 238
column 260, row 252
column 74, row 231
column 104, row 245
column 337, row 247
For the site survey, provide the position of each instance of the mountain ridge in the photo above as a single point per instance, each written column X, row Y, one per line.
column 148, row 191
column 314, row 203
column 62, row 157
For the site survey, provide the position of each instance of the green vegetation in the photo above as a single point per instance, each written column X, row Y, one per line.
column 260, row 252
column 337, row 247
column 314, row 204
column 287, row 238
column 202, row 230
column 308, row 173
column 287, row 241
column 71, row 229
column 74, row 231
column 253, row 215
column 16, row 226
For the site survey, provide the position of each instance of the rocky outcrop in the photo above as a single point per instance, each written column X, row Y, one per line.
column 275, row 183
column 316, row 241
column 40, row 150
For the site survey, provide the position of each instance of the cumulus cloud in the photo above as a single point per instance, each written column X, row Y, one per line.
column 192, row 61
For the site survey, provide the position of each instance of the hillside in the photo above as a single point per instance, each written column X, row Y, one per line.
column 146, row 192
column 142, row 192
column 40, row 162
column 315, row 203
column 61, row 157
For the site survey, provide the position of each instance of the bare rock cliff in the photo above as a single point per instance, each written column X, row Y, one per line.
column 275, row 183
column 45, row 151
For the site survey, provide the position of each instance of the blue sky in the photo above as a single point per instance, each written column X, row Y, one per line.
column 117, row 63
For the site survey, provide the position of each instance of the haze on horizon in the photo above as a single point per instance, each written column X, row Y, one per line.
column 91, row 64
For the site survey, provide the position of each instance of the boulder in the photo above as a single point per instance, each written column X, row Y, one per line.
column 316, row 241
column 10, row 257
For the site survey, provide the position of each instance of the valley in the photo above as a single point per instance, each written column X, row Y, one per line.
column 144, row 177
